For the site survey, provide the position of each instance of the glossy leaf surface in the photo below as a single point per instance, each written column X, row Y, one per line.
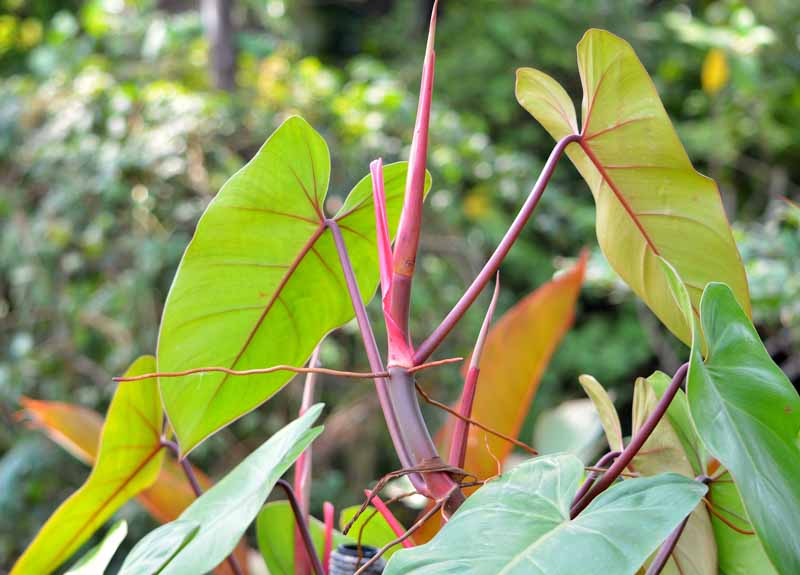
column 748, row 415
column 129, row 460
column 95, row 561
column 650, row 200
column 224, row 512
column 696, row 551
column 519, row 524
column 605, row 408
column 260, row 282
column 515, row 355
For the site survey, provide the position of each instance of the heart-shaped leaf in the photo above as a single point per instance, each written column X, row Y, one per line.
column 748, row 415
column 224, row 512
column 128, row 461
column 650, row 200
column 519, row 524
column 95, row 561
column 260, row 282
column 696, row 550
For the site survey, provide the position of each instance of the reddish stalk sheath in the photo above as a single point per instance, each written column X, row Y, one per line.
column 636, row 443
column 428, row 346
column 327, row 514
column 458, row 445
column 391, row 520
column 311, row 553
column 667, row 548
column 408, row 230
column 233, row 563
column 373, row 354
column 302, row 469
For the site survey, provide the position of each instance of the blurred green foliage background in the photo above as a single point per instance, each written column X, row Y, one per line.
column 116, row 129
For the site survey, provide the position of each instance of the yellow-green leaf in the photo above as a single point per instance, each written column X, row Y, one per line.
column 650, row 200
column 605, row 409
column 696, row 551
column 128, row 461
column 260, row 283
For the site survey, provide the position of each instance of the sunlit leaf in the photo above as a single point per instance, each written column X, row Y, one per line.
column 129, row 460
column 95, row 561
column 519, row 524
column 650, row 200
column 224, row 512
column 605, row 408
column 260, row 282
column 748, row 415
column 150, row 559
column 696, row 551
column 376, row 531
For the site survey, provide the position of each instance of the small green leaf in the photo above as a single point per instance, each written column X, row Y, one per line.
column 748, row 415
column 224, row 512
column 275, row 528
column 260, row 283
column 605, row 408
column 129, row 461
column 519, row 524
column 377, row 531
column 99, row 556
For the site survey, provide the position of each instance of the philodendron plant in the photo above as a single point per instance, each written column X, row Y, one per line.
column 708, row 483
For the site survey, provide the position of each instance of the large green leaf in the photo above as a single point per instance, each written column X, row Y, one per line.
column 275, row 528
column 129, row 461
column 663, row 452
column 748, row 415
column 224, row 512
column 260, row 282
column 650, row 200
column 95, row 561
column 520, row 523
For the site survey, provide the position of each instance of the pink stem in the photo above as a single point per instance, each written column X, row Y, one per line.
column 408, row 230
column 391, row 520
column 458, row 446
column 327, row 514
column 428, row 346
column 302, row 471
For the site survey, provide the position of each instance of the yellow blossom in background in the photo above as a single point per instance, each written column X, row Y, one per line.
column 715, row 71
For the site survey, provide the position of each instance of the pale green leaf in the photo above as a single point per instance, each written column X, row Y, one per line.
column 605, row 408
column 519, row 524
column 224, row 512
column 95, row 561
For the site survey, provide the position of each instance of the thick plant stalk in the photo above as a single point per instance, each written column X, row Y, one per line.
column 233, row 563
column 427, row 347
column 636, row 443
column 458, row 445
column 592, row 477
column 412, row 441
column 408, row 230
column 302, row 470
